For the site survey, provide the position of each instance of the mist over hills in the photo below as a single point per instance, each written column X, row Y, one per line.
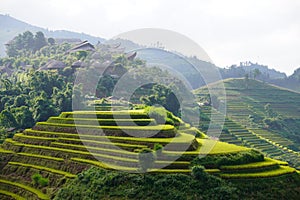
column 11, row 27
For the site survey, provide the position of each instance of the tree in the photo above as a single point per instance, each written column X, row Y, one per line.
column 158, row 149
column 269, row 111
column 62, row 98
column 38, row 180
column 146, row 159
column 20, row 101
column 7, row 83
column 256, row 73
column 77, row 98
column 24, row 117
column 7, row 119
column 43, row 108
column 163, row 96
column 51, row 41
column 28, row 41
column 105, row 86
column 39, row 41
column 247, row 80
column 199, row 173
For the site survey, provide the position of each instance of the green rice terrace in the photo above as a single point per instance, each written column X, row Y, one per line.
column 55, row 152
column 259, row 116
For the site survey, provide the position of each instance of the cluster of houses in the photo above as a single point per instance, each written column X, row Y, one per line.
column 86, row 46
column 79, row 46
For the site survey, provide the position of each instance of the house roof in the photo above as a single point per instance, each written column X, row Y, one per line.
column 78, row 64
column 131, row 56
column 10, row 129
column 53, row 64
column 83, row 46
column 5, row 69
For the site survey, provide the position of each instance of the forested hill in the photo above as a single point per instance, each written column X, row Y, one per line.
column 11, row 27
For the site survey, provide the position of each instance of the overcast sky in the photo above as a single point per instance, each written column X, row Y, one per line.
column 230, row 31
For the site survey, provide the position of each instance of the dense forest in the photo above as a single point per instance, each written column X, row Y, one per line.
column 31, row 92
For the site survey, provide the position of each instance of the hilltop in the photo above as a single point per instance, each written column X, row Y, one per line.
column 11, row 27
column 259, row 115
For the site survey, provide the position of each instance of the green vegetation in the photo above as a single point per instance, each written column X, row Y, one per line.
column 68, row 175
column 146, row 159
column 12, row 195
column 32, row 89
column 37, row 179
column 283, row 170
column 164, row 96
column 102, row 122
column 102, row 184
column 259, row 116
column 216, row 161
column 25, row 43
column 41, row 156
column 58, row 152
column 145, row 154
column 36, row 192
column 267, row 163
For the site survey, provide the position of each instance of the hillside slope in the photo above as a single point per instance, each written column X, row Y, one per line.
column 260, row 115
column 55, row 151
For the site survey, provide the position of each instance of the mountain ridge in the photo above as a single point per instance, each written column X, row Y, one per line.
column 11, row 27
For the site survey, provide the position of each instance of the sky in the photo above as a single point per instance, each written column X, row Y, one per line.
column 230, row 31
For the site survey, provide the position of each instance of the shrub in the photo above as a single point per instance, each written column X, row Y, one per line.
column 35, row 178
column 273, row 123
column 216, row 161
column 157, row 147
column 158, row 113
column 38, row 180
column 199, row 173
column 162, row 116
column 43, row 182
column 170, row 121
column 97, row 183
column 146, row 159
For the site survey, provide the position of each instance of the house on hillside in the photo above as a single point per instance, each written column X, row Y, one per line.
column 131, row 56
column 78, row 64
column 83, row 46
column 53, row 64
column 6, row 70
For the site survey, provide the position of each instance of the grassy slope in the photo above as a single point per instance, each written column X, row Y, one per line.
column 244, row 99
column 61, row 155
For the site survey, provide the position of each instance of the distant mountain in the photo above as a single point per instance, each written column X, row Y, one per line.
column 11, row 27
column 238, row 71
column 206, row 70
column 292, row 82
column 296, row 75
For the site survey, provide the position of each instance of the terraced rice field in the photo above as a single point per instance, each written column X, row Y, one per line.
column 243, row 102
column 58, row 152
